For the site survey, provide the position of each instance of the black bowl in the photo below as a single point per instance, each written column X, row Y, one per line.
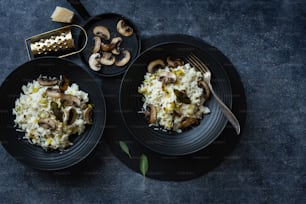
column 172, row 143
column 35, row 156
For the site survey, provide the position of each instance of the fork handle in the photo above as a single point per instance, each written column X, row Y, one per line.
column 226, row 111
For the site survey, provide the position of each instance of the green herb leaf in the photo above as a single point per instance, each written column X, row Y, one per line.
column 182, row 96
column 125, row 148
column 143, row 164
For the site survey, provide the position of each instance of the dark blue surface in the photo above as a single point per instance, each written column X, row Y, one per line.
column 265, row 41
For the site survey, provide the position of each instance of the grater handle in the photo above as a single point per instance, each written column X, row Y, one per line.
column 78, row 6
column 85, row 43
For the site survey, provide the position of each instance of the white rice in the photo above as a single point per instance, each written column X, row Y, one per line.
column 165, row 100
column 33, row 105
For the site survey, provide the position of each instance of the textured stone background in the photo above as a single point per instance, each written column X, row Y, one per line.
column 266, row 42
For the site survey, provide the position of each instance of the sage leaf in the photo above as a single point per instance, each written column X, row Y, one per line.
column 125, row 148
column 182, row 96
column 143, row 164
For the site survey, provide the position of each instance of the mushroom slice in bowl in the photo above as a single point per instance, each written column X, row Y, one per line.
column 124, row 29
column 126, row 56
column 102, row 32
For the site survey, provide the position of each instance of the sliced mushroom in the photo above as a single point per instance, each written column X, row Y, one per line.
column 116, row 41
column 187, row 122
column 96, row 44
column 124, row 29
column 205, row 87
column 107, row 58
column 63, row 83
column 107, row 47
column 167, row 77
column 126, row 56
column 174, row 62
column 102, row 32
column 47, row 124
column 70, row 116
column 155, row 64
column 70, row 100
column 87, row 115
column 113, row 46
column 151, row 112
column 94, row 61
column 54, row 93
column 46, row 81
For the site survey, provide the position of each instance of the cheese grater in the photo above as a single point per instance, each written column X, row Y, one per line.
column 58, row 42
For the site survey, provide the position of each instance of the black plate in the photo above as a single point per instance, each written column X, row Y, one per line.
column 175, row 168
column 109, row 20
column 35, row 156
column 172, row 143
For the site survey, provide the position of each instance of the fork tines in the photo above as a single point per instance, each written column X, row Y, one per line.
column 196, row 62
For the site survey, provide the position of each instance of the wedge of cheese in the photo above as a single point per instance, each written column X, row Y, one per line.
column 61, row 14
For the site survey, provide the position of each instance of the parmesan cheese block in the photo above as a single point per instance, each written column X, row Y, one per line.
column 61, row 14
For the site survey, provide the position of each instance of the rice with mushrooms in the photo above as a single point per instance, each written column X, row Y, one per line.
column 174, row 101
column 35, row 115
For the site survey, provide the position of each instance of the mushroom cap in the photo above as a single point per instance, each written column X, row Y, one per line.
column 87, row 115
column 188, row 121
column 155, row 64
column 96, row 44
column 124, row 29
column 174, row 62
column 102, row 32
column 117, row 42
column 70, row 100
column 167, row 77
column 54, row 93
column 94, row 61
column 152, row 113
column 47, row 123
column 205, row 87
column 63, row 83
column 70, row 115
column 107, row 58
column 47, row 81
column 107, row 47
column 125, row 59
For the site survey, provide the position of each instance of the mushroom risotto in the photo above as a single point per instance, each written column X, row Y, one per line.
column 173, row 94
column 49, row 110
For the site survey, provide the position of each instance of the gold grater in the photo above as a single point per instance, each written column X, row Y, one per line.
column 58, row 42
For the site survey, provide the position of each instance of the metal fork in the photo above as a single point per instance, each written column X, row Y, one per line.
column 197, row 63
